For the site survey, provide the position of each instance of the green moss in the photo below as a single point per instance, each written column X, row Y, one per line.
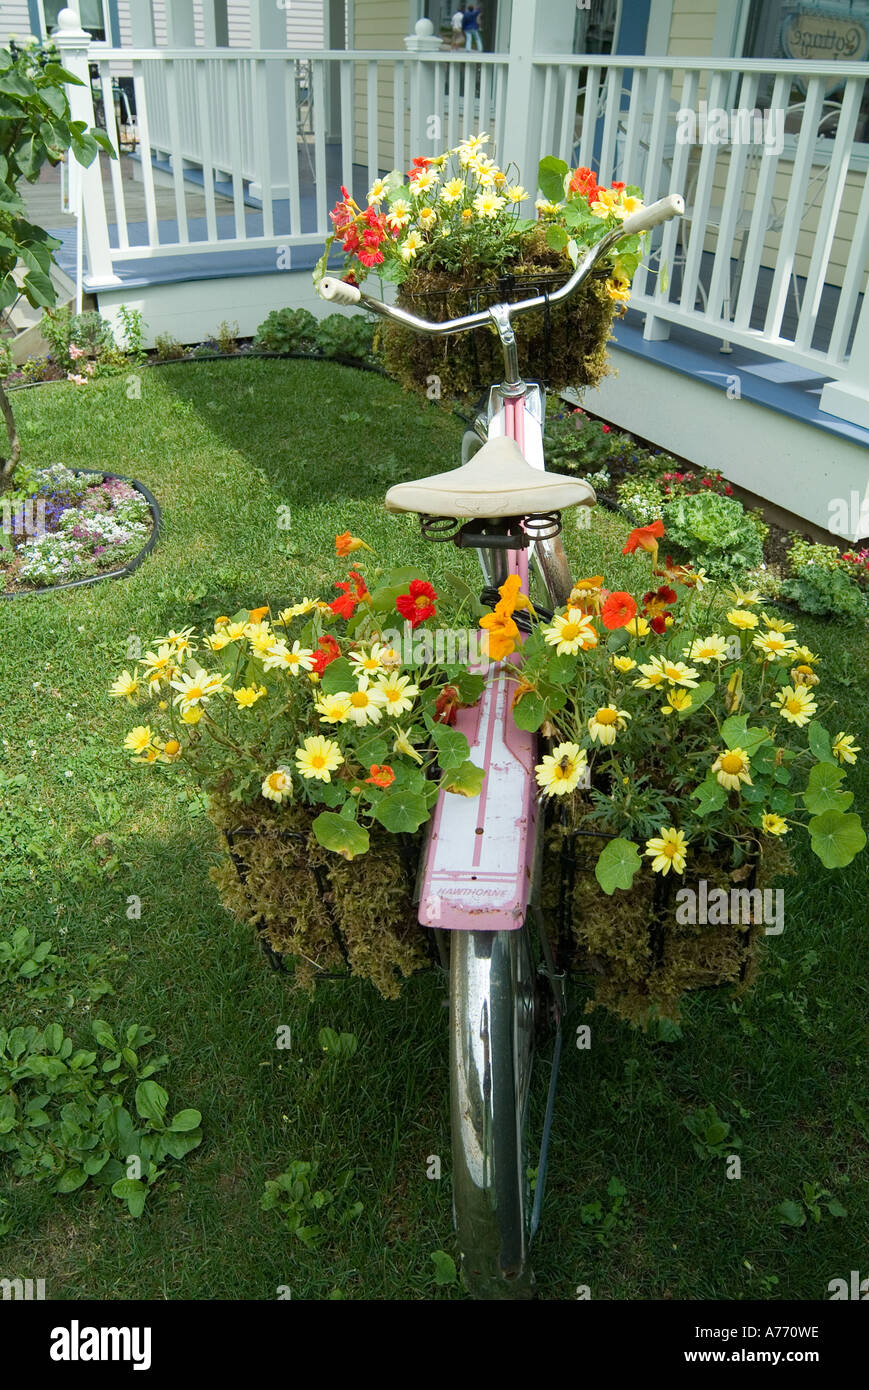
column 313, row 906
column 578, row 332
column 642, row 960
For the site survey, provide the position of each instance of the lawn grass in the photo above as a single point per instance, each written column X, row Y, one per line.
column 226, row 447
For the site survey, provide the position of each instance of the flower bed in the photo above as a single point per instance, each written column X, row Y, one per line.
column 65, row 525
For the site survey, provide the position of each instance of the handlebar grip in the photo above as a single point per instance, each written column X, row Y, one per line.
column 339, row 291
column 662, row 211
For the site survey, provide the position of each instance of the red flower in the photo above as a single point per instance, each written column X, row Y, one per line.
column 605, row 429
column 583, row 181
column 329, row 651
column 644, row 538
column 618, row 610
column 617, row 185
column 345, row 605
column 419, row 163
column 728, row 491
column 446, row 705
column 370, row 258
column 418, row 603
column 656, row 606
column 381, row 775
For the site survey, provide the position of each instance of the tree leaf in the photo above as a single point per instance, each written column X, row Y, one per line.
column 617, row 864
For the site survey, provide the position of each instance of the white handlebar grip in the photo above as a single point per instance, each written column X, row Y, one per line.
column 339, row 290
column 662, row 211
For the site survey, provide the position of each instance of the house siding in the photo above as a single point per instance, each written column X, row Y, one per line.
column 14, row 19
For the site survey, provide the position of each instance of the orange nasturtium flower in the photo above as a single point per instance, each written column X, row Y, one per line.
column 256, row 615
column 502, row 634
column 381, row 775
column 645, row 538
column 585, row 594
column 618, row 610
column 345, row 544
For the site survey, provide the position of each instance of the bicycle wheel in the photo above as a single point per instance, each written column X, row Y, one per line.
column 492, row 1021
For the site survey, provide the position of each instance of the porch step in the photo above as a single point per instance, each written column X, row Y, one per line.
column 21, row 323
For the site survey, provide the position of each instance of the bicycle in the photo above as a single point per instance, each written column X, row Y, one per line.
column 481, row 865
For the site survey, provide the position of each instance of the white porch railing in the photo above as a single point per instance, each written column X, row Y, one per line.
column 265, row 137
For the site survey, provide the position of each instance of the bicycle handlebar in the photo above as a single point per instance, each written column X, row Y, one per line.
column 340, row 292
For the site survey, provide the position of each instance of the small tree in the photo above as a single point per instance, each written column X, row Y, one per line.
column 35, row 129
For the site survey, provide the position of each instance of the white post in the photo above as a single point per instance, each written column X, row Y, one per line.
column 422, row 91
column 537, row 26
column 268, row 29
column 848, row 398
column 180, row 27
column 141, row 23
column 215, row 24
column 72, row 42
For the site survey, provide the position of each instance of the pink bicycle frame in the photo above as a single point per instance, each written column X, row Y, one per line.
column 478, row 865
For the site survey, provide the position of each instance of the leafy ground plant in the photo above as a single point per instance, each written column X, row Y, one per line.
column 65, row 1112
column 311, row 1214
column 712, row 1135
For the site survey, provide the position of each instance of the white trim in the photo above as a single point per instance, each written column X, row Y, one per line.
column 658, row 29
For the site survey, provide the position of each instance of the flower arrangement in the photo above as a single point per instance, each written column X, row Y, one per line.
column 452, row 226
column 687, row 728
column 329, row 719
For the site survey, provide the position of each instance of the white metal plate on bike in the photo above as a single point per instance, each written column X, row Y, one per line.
column 479, row 859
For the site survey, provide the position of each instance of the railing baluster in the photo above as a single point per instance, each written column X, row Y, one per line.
column 469, row 74
column 262, row 169
column 346, row 123
column 654, row 162
column 323, row 224
column 547, row 115
column 702, row 197
column 828, row 216
column 852, row 282
column 399, row 115
column 790, row 232
column 721, row 279
column 485, row 115
column 235, row 150
column 627, row 170
column 291, row 90
column 373, row 131
column 201, row 69
column 654, row 328
column 453, row 111
column 759, row 217
column 114, row 164
column 145, row 147
column 176, row 156
column 589, row 117
column 569, row 84
column 610, row 124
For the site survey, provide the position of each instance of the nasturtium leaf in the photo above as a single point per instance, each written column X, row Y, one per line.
column 550, row 178
column 402, row 576
column 340, row 835
column 836, row 838
column 469, row 686
column 529, row 712
column 466, row 780
column 452, row 745
column 699, row 695
column 561, row 669
column 445, row 1268
column 383, row 599
column 338, row 675
column 754, row 793
column 617, row 864
column 710, row 796
column 763, row 759
column 401, row 810
column 781, row 801
column 556, row 238
column 736, row 734
column 151, row 1101
column 822, row 793
column 821, row 743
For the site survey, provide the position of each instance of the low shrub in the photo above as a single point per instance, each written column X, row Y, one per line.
column 287, row 330
column 716, row 532
column 826, row 593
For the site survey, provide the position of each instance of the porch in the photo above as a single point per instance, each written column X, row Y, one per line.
column 239, row 153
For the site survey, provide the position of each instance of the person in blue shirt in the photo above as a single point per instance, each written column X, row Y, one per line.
column 471, row 27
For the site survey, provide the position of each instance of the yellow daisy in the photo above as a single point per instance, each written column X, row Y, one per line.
column 706, row 649
column 845, row 750
column 677, row 701
column 318, row 758
column 771, row 824
column 333, row 709
column 677, row 673
column 571, row 632
column 623, row 664
column 277, row 785
column 398, row 693
column 125, row 686
column 560, row 771
column 652, row 675
column 366, row 705
column 796, row 704
column 139, row 739
column 606, row 722
column 731, row 769
column 294, row 660
column 742, row 618
column 667, row 851
column 247, row 695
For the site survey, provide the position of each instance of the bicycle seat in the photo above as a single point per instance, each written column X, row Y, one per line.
column 497, row 482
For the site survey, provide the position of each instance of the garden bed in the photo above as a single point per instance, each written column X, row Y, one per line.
column 74, row 527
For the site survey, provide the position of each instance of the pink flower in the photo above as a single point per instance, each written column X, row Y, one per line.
column 79, row 380
column 76, row 352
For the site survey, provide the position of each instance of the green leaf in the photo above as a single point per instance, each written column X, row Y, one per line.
column 710, row 796
column 736, row 735
column 133, row 1192
column 469, row 686
column 185, row 1120
column 556, row 238
column 151, row 1101
column 452, row 745
column 781, row 801
column 617, row 864
column 340, row 835
column 529, row 712
column 70, row 1180
column 702, row 692
column 445, row 1268
column 561, row 669
column 338, row 675
column 822, row 793
column 177, row 1145
column 821, row 743
column 401, row 810
column 466, row 780
column 791, row 1213
column 836, row 838
column 550, row 178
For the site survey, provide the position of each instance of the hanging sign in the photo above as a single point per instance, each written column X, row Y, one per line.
column 827, row 36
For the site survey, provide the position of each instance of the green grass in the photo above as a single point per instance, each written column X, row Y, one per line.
column 225, row 446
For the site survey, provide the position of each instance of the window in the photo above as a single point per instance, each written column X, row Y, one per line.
column 828, row 32
column 596, row 26
column 94, row 16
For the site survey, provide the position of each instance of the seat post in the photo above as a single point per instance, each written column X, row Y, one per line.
column 512, row 386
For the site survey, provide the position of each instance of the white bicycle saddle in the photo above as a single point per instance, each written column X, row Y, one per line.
column 497, row 482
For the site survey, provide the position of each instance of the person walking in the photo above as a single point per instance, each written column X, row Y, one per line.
column 471, row 28
column 456, row 40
